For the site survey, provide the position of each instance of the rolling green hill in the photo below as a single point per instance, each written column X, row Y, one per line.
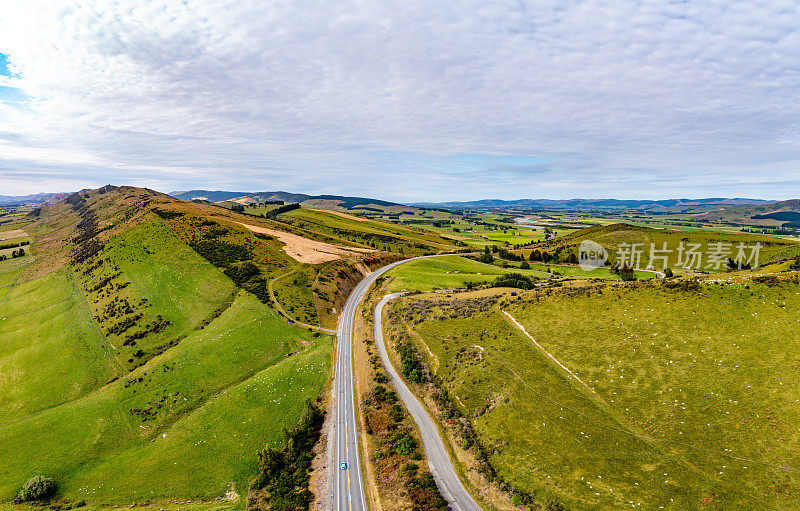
column 677, row 396
column 137, row 363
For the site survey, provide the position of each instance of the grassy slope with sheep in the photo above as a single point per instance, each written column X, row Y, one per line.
column 693, row 400
column 162, row 379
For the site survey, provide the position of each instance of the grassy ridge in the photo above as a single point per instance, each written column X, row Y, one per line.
column 693, row 403
column 370, row 233
column 73, row 442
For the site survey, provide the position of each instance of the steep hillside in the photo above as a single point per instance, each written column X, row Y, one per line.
column 142, row 345
column 255, row 252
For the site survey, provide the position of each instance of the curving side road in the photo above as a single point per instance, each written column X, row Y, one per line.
column 438, row 458
column 348, row 490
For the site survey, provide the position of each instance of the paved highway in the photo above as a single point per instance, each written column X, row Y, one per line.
column 348, row 490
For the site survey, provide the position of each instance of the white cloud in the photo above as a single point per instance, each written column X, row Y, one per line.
column 376, row 98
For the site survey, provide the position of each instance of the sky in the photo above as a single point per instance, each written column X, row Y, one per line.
column 407, row 101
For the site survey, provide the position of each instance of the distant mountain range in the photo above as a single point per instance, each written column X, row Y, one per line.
column 37, row 198
column 667, row 205
column 775, row 214
column 321, row 201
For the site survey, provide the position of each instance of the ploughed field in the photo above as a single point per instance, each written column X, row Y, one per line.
column 679, row 398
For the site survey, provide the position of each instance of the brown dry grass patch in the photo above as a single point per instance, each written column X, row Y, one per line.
column 305, row 250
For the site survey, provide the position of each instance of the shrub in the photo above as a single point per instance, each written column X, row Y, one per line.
column 524, row 266
column 486, row 258
column 37, row 488
column 284, row 473
column 167, row 215
column 403, row 443
column 668, row 273
column 516, row 280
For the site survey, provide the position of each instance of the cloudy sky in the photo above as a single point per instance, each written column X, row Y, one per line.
column 413, row 100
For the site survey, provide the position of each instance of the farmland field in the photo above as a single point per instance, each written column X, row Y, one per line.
column 453, row 272
column 10, row 269
column 689, row 398
column 48, row 319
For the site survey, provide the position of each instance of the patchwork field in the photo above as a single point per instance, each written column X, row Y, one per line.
column 682, row 398
column 612, row 237
column 10, row 269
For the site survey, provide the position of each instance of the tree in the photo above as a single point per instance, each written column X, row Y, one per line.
column 37, row 488
column 535, row 256
column 573, row 259
column 270, row 462
column 516, row 280
column 524, row 266
column 486, row 258
column 668, row 273
column 626, row 273
column 795, row 265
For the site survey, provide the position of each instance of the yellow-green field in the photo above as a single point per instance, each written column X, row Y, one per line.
column 455, row 272
column 682, row 396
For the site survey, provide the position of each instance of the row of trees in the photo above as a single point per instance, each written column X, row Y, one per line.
column 535, row 255
column 14, row 254
column 555, row 257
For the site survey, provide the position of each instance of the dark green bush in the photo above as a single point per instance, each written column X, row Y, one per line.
column 37, row 488
column 167, row 215
column 516, row 280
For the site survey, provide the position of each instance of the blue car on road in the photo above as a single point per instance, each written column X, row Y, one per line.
column 343, row 465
